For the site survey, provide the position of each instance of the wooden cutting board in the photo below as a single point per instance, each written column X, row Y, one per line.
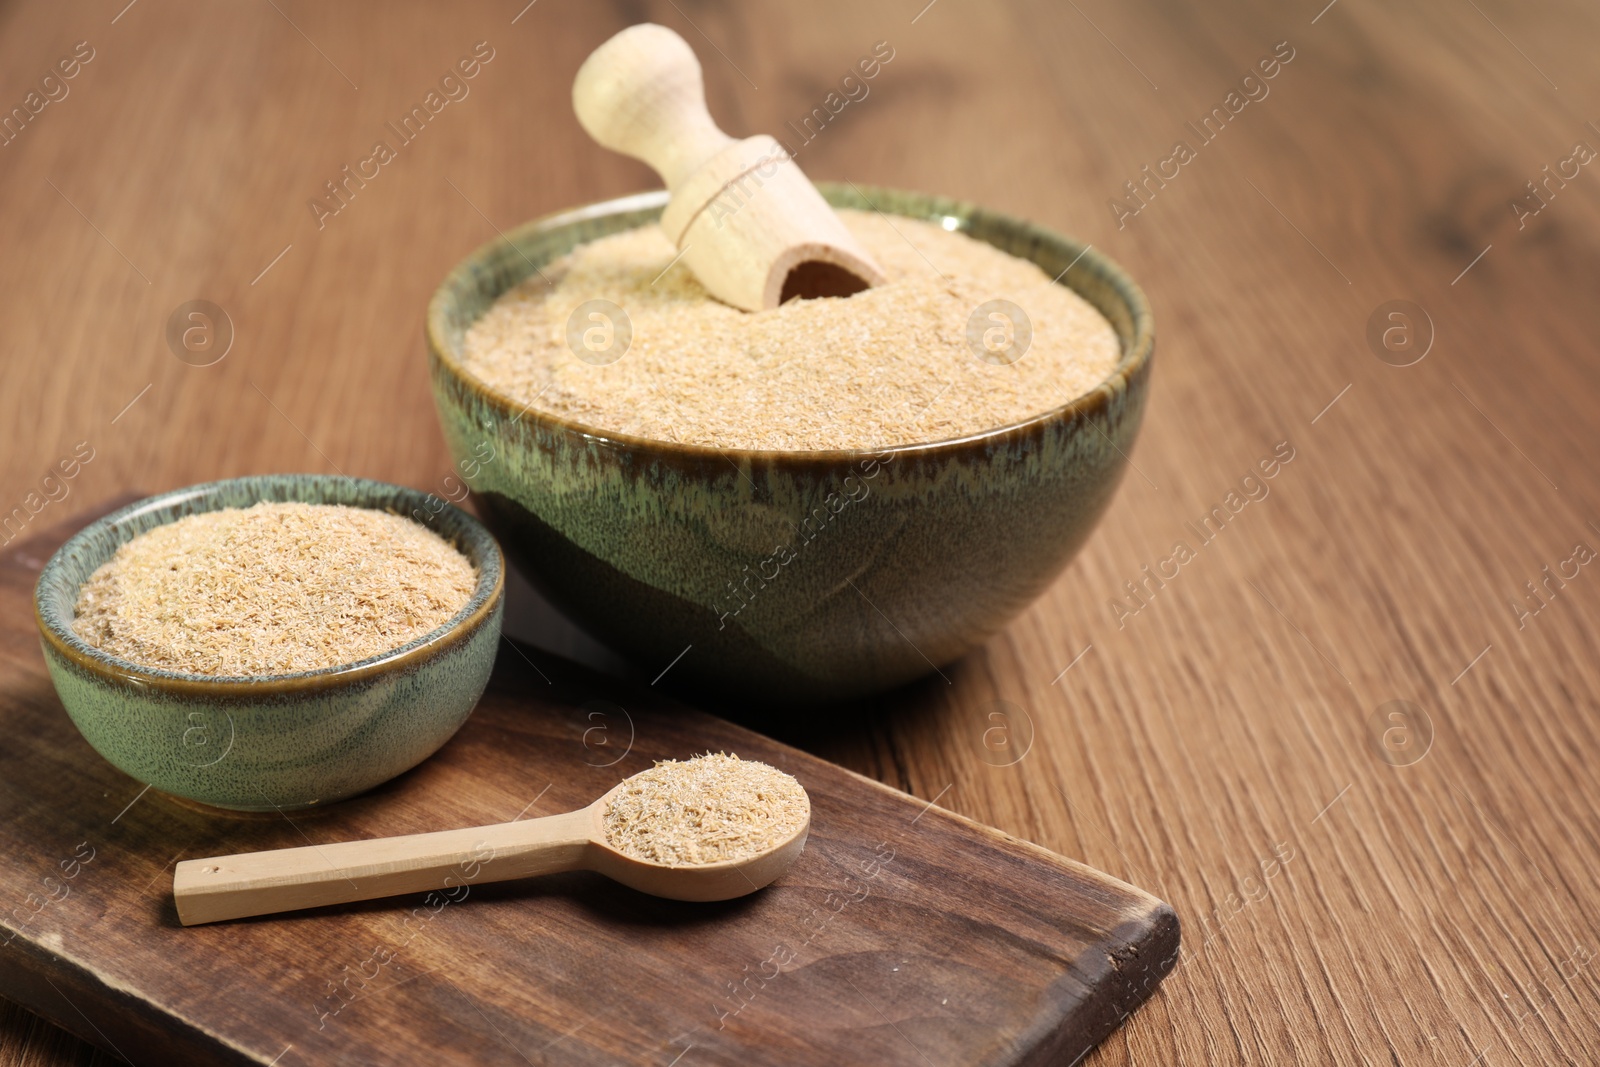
column 904, row 934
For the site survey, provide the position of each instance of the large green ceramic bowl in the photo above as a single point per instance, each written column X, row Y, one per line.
column 286, row 741
column 789, row 576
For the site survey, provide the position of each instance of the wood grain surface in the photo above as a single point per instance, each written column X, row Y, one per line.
column 1439, row 906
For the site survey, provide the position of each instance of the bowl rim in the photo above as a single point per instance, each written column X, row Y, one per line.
column 1134, row 359
column 487, row 594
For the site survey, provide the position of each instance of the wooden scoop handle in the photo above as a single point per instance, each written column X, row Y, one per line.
column 263, row 883
column 746, row 221
column 641, row 94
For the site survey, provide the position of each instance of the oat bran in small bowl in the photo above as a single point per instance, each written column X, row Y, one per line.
column 275, row 588
column 271, row 738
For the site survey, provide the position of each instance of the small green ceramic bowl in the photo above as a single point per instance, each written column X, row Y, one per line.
column 789, row 576
column 287, row 741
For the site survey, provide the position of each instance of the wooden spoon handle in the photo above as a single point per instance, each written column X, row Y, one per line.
column 263, row 883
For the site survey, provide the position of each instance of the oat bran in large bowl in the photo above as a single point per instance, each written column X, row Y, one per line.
column 805, row 532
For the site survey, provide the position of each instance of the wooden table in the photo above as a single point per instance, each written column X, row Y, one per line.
column 1360, row 881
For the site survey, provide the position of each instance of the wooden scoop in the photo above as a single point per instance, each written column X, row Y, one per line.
column 748, row 223
column 264, row 883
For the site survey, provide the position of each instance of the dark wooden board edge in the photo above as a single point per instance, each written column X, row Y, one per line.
column 1145, row 951
column 1143, row 959
column 129, row 1027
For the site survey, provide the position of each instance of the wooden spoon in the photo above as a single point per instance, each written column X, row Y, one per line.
column 264, row 883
